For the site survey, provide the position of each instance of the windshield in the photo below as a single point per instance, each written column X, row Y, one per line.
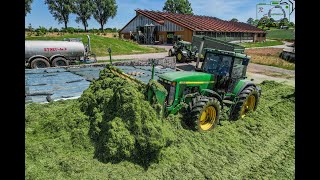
column 217, row 64
column 211, row 63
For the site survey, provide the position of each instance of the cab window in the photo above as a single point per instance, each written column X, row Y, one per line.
column 238, row 69
column 225, row 65
column 211, row 63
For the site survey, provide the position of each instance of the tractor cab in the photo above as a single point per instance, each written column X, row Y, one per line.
column 227, row 67
column 185, row 45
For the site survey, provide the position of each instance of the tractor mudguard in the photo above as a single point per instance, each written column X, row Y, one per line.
column 210, row 93
column 245, row 84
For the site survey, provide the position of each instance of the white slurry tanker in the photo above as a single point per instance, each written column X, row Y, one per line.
column 43, row 54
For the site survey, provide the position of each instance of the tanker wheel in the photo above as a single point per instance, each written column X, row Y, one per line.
column 59, row 61
column 180, row 57
column 205, row 113
column 248, row 101
column 39, row 63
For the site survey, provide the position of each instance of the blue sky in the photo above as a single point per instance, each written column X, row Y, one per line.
column 223, row 9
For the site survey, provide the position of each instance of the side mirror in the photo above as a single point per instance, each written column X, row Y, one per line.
column 245, row 61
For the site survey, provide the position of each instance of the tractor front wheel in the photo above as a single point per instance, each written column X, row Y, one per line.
column 205, row 113
column 180, row 57
column 248, row 101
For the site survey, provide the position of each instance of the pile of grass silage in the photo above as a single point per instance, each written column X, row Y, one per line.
column 123, row 125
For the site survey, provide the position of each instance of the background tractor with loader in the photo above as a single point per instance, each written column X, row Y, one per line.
column 188, row 51
column 183, row 51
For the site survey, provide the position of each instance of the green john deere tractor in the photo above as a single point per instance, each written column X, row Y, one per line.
column 204, row 93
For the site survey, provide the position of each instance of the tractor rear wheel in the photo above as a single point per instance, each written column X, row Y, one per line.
column 180, row 57
column 205, row 113
column 248, row 101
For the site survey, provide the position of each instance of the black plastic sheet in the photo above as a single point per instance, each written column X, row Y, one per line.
column 51, row 84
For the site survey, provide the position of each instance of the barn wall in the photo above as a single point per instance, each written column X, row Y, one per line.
column 186, row 34
column 141, row 20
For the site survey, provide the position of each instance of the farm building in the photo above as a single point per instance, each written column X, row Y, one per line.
column 149, row 27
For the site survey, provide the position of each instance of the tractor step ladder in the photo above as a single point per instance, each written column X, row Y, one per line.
column 228, row 102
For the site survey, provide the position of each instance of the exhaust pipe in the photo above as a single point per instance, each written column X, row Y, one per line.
column 199, row 53
column 89, row 45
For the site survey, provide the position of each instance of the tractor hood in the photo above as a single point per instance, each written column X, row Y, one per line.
column 187, row 76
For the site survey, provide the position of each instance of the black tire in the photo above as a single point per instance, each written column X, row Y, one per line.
column 180, row 57
column 59, row 61
column 170, row 53
column 39, row 63
column 243, row 97
column 201, row 104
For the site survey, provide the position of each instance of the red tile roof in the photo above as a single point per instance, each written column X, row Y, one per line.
column 199, row 23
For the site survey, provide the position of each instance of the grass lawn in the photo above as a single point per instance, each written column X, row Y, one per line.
column 270, row 57
column 261, row 44
column 100, row 44
column 281, row 34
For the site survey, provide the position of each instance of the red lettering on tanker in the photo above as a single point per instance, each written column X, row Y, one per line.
column 55, row 49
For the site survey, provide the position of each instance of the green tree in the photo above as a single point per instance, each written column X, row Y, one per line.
column 30, row 28
column 283, row 22
column 60, row 9
column 103, row 10
column 264, row 21
column 83, row 9
column 27, row 6
column 178, row 6
column 250, row 21
column 256, row 22
column 50, row 29
column 234, row 20
column 291, row 24
column 271, row 23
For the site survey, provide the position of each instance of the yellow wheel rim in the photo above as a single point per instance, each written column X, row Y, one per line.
column 207, row 118
column 179, row 56
column 248, row 105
